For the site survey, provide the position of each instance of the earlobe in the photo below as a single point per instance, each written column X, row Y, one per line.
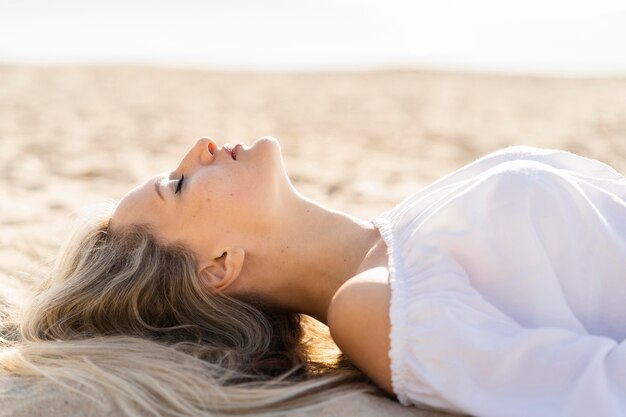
column 222, row 271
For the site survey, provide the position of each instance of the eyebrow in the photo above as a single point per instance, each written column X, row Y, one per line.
column 158, row 191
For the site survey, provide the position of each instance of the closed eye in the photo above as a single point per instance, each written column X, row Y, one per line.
column 179, row 184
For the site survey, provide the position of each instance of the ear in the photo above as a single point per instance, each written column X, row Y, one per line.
column 222, row 271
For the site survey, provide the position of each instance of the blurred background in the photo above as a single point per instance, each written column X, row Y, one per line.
column 370, row 100
column 534, row 36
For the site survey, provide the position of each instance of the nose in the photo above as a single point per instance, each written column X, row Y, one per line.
column 202, row 152
column 206, row 144
column 205, row 150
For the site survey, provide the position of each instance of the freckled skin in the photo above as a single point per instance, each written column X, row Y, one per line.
column 220, row 197
column 253, row 233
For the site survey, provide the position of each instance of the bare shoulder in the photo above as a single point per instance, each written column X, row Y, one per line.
column 358, row 319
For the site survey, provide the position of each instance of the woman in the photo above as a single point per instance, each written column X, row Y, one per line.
column 496, row 291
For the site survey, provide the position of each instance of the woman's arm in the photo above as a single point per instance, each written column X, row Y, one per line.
column 358, row 319
column 484, row 364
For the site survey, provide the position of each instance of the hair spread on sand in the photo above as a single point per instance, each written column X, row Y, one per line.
column 126, row 319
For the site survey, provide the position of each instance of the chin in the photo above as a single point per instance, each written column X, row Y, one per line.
column 270, row 150
column 268, row 141
column 270, row 147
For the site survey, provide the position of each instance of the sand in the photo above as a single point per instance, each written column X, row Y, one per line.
column 72, row 137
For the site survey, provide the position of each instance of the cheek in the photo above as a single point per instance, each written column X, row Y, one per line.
column 219, row 202
column 232, row 192
column 235, row 199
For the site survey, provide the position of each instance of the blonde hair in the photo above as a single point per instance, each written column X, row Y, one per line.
column 126, row 318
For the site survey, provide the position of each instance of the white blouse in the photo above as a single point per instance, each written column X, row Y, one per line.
column 508, row 288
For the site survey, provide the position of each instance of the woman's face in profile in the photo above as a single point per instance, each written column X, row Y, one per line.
column 212, row 197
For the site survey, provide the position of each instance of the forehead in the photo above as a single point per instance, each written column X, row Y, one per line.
column 139, row 206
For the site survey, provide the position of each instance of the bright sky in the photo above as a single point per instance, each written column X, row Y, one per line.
column 537, row 36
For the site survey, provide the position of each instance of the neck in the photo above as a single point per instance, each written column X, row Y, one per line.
column 320, row 249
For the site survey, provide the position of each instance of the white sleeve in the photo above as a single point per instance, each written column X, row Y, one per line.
column 486, row 364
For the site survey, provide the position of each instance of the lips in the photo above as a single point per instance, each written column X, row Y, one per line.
column 235, row 151
column 232, row 151
column 228, row 148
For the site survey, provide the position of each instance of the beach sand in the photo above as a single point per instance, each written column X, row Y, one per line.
column 73, row 137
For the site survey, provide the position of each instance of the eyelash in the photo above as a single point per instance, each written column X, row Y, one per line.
column 179, row 184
